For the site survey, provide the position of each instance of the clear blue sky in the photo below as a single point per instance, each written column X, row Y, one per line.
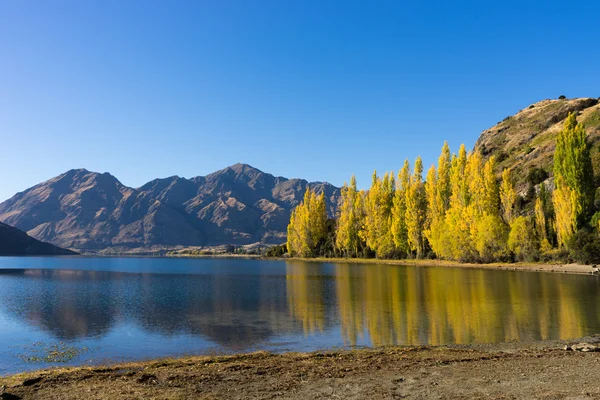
column 312, row 89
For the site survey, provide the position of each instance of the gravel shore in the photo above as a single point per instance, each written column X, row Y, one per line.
column 497, row 371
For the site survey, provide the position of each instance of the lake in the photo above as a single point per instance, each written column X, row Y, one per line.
column 98, row 310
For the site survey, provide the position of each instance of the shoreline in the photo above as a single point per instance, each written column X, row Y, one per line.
column 510, row 369
column 572, row 268
column 520, row 266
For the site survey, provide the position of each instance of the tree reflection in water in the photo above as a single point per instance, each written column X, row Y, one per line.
column 347, row 303
column 435, row 305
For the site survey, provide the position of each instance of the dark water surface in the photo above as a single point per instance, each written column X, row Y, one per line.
column 113, row 309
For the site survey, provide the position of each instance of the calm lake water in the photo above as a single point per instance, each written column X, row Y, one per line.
column 120, row 309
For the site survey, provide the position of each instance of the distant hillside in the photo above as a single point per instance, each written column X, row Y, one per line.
column 14, row 242
column 525, row 141
column 90, row 211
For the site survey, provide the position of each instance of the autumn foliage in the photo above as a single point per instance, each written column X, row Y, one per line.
column 465, row 209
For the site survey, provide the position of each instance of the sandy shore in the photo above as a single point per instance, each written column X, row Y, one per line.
column 502, row 371
column 538, row 267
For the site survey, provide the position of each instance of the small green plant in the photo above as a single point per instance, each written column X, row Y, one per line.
column 562, row 97
column 501, row 157
column 537, row 176
column 41, row 352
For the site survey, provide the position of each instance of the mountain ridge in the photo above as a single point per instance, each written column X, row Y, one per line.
column 525, row 141
column 86, row 210
column 14, row 242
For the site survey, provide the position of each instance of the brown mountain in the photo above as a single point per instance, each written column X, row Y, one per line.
column 90, row 211
column 14, row 242
column 525, row 141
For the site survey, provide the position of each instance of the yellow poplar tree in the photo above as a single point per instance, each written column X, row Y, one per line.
column 522, row 238
column 293, row 236
column 541, row 219
column 348, row 223
column 563, row 199
column 433, row 212
column 508, row 196
column 376, row 231
column 398, row 224
column 489, row 234
column 308, row 225
column 491, row 238
column 471, row 229
column 438, row 190
column 359, row 206
column 318, row 218
column 475, row 205
column 492, row 191
column 443, row 179
column 416, row 204
column 455, row 238
column 476, row 193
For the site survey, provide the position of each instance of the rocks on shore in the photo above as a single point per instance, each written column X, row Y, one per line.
column 585, row 347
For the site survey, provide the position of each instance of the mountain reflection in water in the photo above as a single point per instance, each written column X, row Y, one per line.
column 349, row 304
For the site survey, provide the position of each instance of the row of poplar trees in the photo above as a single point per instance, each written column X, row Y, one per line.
column 460, row 211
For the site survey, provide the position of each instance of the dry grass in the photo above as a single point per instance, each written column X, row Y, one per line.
column 526, row 140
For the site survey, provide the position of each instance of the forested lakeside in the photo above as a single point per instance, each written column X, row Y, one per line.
column 465, row 209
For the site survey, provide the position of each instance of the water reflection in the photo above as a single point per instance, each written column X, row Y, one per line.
column 406, row 305
column 334, row 304
column 305, row 292
column 58, row 308
column 385, row 305
column 236, row 312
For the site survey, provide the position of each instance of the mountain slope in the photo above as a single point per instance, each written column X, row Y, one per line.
column 525, row 142
column 14, row 242
column 90, row 211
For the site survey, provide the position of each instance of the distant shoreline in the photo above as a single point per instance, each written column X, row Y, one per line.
column 242, row 256
column 533, row 267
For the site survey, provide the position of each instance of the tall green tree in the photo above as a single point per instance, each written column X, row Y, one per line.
column 574, row 179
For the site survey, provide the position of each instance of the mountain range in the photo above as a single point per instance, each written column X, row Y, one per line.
column 89, row 211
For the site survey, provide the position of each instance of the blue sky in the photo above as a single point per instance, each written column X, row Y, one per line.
column 312, row 89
